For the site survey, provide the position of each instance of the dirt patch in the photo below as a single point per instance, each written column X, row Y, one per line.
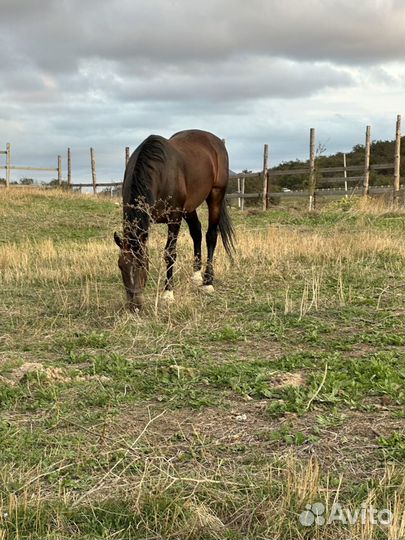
column 244, row 433
column 52, row 374
column 262, row 349
column 288, row 379
column 6, row 381
column 361, row 350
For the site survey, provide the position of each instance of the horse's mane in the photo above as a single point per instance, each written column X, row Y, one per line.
column 144, row 163
column 152, row 154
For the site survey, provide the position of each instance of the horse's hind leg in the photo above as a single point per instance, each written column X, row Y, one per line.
column 194, row 226
column 170, row 257
column 214, row 202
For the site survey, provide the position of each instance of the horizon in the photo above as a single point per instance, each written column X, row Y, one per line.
column 37, row 180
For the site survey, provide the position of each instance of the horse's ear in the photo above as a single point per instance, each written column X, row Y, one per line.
column 118, row 240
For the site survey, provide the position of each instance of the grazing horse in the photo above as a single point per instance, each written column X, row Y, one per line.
column 165, row 181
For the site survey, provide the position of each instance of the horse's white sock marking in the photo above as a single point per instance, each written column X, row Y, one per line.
column 168, row 296
column 197, row 278
column 208, row 288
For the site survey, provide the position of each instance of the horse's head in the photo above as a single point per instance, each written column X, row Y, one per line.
column 133, row 263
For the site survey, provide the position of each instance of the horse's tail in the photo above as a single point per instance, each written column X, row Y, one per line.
column 226, row 230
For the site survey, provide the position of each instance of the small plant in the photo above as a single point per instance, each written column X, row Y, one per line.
column 227, row 334
column 394, row 446
column 290, row 436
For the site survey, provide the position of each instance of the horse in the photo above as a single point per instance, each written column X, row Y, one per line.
column 165, row 181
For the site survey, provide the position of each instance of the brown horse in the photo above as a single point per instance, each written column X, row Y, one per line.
column 165, row 181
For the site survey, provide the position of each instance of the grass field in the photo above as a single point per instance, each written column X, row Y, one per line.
column 219, row 416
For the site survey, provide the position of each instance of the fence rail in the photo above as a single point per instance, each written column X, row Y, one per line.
column 349, row 168
column 98, row 184
column 324, row 192
column 22, row 168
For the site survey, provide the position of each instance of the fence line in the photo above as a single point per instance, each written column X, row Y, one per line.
column 10, row 167
column 312, row 171
column 265, row 175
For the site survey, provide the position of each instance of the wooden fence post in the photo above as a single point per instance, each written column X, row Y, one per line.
column 239, row 199
column 268, row 181
column 242, row 200
column 397, row 158
column 126, row 156
column 93, row 170
column 312, row 178
column 366, row 179
column 69, row 168
column 59, row 171
column 345, row 174
column 8, row 164
column 265, row 171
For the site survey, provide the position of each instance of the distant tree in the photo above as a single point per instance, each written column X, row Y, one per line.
column 381, row 152
column 26, row 181
column 55, row 183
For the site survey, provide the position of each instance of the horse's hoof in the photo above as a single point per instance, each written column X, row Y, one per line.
column 197, row 278
column 168, row 296
column 209, row 289
column 134, row 308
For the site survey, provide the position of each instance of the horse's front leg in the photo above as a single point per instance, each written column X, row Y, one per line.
column 170, row 258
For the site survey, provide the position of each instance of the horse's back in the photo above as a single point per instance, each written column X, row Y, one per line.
column 196, row 136
column 204, row 153
column 199, row 140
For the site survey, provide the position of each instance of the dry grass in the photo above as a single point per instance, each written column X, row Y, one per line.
column 22, row 195
column 161, row 502
column 257, row 384
column 376, row 206
column 273, row 247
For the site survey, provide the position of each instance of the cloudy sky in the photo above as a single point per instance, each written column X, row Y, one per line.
column 107, row 73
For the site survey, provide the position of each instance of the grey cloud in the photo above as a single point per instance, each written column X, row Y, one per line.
column 177, row 49
column 107, row 73
column 160, row 31
column 226, row 83
column 245, row 79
